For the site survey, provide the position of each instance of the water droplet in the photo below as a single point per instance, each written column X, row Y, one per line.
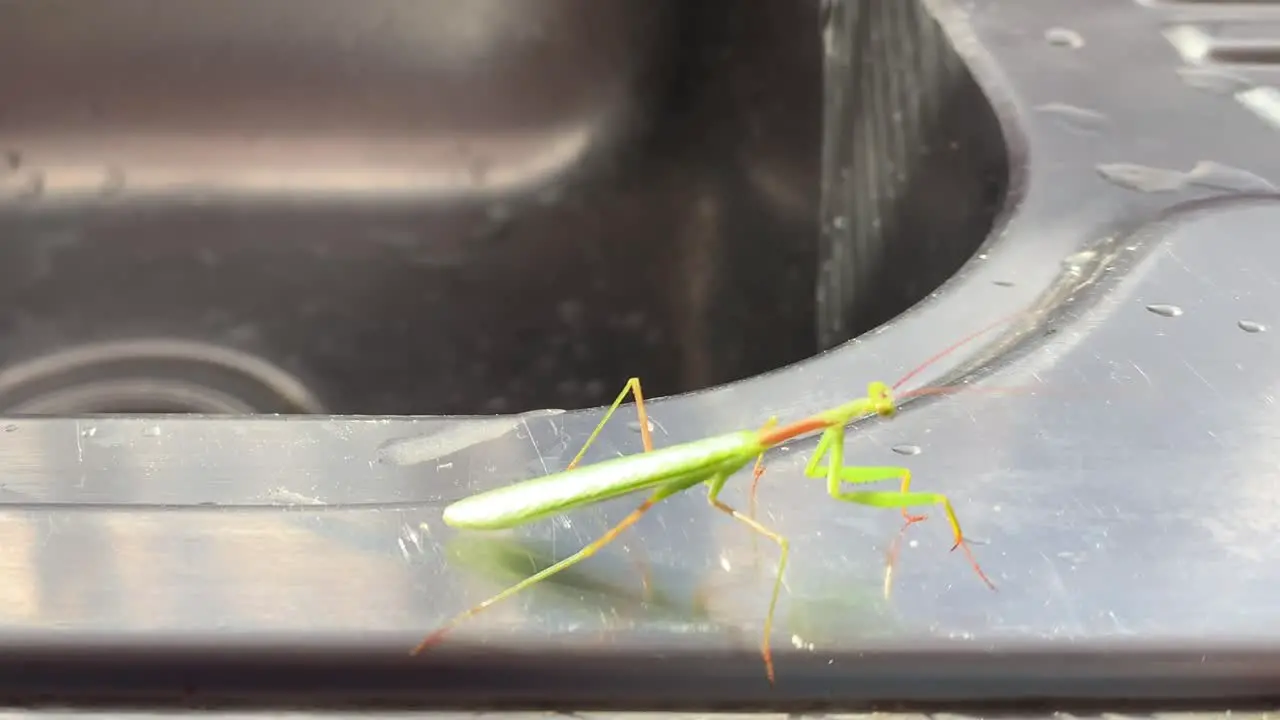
column 1064, row 37
column 1002, row 283
column 1165, row 310
column 634, row 426
column 1218, row 176
column 907, row 449
column 1205, row 174
column 1142, row 178
column 1263, row 101
column 1079, row 120
column 1214, row 80
column 153, row 431
column 1250, row 326
column 89, row 432
column 1077, row 263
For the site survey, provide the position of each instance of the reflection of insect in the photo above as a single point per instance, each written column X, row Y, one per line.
column 713, row 461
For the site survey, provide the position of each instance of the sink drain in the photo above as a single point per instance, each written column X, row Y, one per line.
column 152, row 376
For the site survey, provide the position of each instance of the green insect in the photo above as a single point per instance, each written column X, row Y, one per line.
column 712, row 461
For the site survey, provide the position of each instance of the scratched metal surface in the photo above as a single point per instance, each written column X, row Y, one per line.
column 670, row 716
column 1125, row 504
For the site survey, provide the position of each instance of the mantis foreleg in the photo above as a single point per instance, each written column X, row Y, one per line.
column 646, row 437
column 831, row 445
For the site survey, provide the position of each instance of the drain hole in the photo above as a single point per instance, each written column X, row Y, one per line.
column 152, row 376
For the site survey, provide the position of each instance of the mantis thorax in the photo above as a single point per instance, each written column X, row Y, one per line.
column 881, row 399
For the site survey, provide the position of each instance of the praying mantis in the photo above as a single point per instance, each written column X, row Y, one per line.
column 711, row 461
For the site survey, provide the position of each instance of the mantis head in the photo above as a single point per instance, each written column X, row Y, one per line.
column 881, row 398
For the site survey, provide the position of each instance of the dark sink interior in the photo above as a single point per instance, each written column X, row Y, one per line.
column 431, row 206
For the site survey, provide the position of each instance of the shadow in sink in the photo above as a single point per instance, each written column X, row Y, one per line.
column 404, row 207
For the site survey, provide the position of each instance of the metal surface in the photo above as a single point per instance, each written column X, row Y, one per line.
column 914, row 164
column 1124, row 504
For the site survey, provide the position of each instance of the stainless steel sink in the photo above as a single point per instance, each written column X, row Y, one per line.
column 432, row 206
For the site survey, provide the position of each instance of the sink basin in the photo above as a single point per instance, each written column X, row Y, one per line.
column 433, row 207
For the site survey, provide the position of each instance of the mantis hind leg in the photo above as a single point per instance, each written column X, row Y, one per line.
column 586, row 552
column 646, row 438
column 757, row 470
column 717, row 483
column 837, row 474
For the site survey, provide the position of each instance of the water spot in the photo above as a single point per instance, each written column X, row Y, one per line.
column 553, row 195
column 1076, row 119
column 153, row 431
column 89, row 432
column 570, row 312
column 10, row 428
column 1002, row 283
column 568, row 388
column 453, row 439
column 634, row 426
column 1250, row 326
column 478, row 169
column 497, row 225
column 1064, row 37
column 1165, row 310
column 285, row 496
column 113, row 182
column 23, row 186
column 633, row 320
column 498, row 212
column 12, row 159
column 1214, row 80
column 907, row 449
